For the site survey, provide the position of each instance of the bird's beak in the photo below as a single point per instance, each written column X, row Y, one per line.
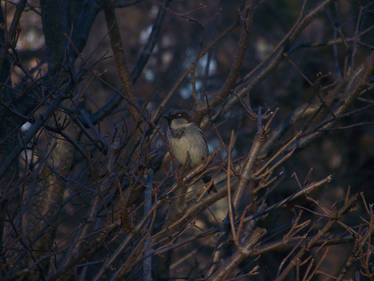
column 167, row 117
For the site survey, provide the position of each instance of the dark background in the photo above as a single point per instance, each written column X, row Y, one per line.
column 92, row 79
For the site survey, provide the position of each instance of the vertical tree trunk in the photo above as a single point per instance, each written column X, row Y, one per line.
column 41, row 220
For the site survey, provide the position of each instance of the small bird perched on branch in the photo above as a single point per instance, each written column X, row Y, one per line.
column 186, row 140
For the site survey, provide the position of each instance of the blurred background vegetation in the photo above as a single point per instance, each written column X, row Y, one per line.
column 87, row 189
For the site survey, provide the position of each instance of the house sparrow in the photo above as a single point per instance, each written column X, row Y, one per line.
column 186, row 140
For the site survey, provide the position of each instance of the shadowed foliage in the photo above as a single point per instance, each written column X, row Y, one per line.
column 283, row 91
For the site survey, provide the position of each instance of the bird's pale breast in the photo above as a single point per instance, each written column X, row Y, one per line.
column 192, row 142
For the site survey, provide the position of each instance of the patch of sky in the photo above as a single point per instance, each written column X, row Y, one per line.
column 26, row 126
column 149, row 75
column 186, row 91
column 201, row 65
column 144, row 34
